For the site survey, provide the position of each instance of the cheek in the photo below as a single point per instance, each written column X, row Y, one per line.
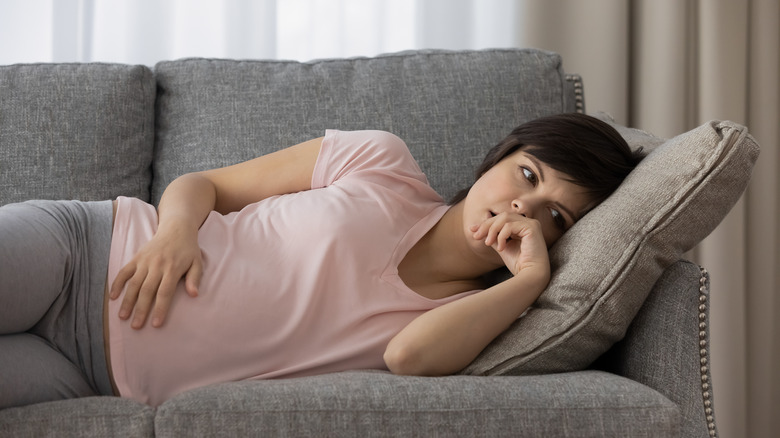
column 479, row 191
column 494, row 185
column 551, row 235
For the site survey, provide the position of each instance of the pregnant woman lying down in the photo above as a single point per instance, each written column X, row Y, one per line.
column 334, row 254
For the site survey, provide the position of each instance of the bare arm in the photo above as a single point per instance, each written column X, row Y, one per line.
column 149, row 280
column 445, row 339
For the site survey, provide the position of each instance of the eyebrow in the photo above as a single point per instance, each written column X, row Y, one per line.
column 538, row 166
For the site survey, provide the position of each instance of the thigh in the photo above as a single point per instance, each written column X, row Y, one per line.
column 34, row 259
column 31, row 371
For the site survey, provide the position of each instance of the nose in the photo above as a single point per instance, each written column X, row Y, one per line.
column 523, row 207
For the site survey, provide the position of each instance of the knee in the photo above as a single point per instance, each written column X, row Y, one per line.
column 31, row 372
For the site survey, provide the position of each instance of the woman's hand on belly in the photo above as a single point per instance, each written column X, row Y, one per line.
column 149, row 280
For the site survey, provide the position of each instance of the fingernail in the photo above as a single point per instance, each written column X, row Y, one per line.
column 157, row 322
column 124, row 314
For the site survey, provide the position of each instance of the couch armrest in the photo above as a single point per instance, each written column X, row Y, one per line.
column 667, row 346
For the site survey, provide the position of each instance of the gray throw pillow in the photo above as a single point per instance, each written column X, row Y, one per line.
column 605, row 266
column 75, row 131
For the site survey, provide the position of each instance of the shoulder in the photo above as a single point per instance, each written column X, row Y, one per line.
column 368, row 140
column 366, row 148
column 355, row 152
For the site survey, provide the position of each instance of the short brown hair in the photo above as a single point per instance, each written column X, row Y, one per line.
column 589, row 151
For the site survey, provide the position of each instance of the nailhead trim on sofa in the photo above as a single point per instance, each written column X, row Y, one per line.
column 579, row 97
column 704, row 292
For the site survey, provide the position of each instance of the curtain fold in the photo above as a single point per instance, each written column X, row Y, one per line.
column 723, row 48
column 665, row 66
column 661, row 75
column 593, row 39
column 763, row 217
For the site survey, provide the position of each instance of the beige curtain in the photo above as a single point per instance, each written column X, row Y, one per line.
column 667, row 66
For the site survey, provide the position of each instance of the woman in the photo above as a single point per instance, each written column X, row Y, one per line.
column 330, row 255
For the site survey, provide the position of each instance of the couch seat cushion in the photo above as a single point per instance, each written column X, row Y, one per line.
column 84, row 417
column 373, row 403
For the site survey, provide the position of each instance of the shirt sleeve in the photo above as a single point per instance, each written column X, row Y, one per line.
column 371, row 155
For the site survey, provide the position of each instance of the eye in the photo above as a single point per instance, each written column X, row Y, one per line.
column 558, row 219
column 529, row 175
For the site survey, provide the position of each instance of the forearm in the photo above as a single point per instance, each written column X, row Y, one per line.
column 446, row 339
column 186, row 203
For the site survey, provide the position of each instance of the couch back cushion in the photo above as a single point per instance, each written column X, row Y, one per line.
column 75, row 131
column 450, row 107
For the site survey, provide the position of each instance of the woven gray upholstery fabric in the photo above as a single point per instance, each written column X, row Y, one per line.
column 91, row 416
column 75, row 131
column 606, row 264
column 449, row 107
column 662, row 348
column 376, row 404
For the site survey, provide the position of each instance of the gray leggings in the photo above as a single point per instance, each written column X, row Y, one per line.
column 53, row 267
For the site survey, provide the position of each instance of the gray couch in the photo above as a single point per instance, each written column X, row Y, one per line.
column 96, row 131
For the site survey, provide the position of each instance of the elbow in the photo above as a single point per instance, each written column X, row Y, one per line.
column 395, row 360
column 406, row 361
column 399, row 361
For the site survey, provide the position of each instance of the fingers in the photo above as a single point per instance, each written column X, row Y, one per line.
column 122, row 277
column 503, row 237
column 130, row 280
column 517, row 239
column 162, row 301
column 149, row 292
column 192, row 279
column 139, row 297
column 499, row 230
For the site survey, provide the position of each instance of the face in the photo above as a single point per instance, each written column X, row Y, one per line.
column 523, row 185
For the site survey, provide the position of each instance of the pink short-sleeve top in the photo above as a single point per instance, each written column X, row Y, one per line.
column 293, row 285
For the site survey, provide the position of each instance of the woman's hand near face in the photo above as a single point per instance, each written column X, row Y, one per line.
column 517, row 239
column 447, row 338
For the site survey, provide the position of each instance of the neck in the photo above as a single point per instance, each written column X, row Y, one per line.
column 444, row 253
